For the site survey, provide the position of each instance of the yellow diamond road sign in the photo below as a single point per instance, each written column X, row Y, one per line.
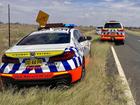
column 42, row 18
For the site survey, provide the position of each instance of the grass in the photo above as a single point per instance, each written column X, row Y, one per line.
column 97, row 89
column 17, row 31
column 134, row 32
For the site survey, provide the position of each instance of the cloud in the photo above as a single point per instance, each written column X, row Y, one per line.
column 0, row 4
column 82, row 12
column 67, row 2
column 108, row 0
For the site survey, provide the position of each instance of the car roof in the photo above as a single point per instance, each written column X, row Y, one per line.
column 52, row 30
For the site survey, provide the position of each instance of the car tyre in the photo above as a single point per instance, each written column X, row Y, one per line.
column 123, row 42
column 3, row 84
column 83, row 74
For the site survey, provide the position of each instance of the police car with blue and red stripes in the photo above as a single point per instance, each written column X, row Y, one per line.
column 54, row 53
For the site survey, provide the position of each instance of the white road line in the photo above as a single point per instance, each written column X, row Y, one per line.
column 139, row 40
column 127, row 91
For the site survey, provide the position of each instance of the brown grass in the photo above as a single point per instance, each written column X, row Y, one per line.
column 17, row 31
column 134, row 32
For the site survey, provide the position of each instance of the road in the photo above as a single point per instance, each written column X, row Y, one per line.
column 129, row 56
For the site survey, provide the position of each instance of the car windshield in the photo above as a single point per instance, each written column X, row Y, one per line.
column 113, row 25
column 99, row 27
column 45, row 38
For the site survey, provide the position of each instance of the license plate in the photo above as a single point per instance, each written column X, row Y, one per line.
column 113, row 33
column 112, row 36
column 34, row 62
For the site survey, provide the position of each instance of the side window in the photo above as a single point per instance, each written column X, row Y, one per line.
column 80, row 34
column 76, row 35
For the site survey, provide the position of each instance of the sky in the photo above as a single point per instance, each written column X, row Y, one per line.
column 80, row 12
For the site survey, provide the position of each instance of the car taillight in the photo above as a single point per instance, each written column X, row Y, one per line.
column 121, row 34
column 6, row 59
column 65, row 56
column 104, row 31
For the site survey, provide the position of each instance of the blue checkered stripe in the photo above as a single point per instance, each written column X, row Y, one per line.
column 67, row 65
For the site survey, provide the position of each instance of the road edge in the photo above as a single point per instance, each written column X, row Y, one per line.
column 127, row 90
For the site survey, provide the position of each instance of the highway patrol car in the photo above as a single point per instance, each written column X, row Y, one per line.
column 58, row 52
column 113, row 30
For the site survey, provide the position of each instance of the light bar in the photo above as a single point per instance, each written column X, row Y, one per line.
column 54, row 25
column 112, row 21
column 57, row 25
column 70, row 25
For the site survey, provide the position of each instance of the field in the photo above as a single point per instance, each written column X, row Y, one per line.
column 134, row 31
column 98, row 88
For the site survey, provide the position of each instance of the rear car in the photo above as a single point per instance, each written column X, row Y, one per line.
column 114, row 31
column 48, row 56
column 99, row 30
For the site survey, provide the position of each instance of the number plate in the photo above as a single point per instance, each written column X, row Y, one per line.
column 34, row 62
column 113, row 33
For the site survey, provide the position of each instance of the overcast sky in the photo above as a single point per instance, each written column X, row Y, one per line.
column 81, row 12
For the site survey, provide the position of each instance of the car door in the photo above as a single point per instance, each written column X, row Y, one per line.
column 83, row 44
column 77, row 44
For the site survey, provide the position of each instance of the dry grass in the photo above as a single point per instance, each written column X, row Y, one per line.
column 134, row 32
column 17, row 31
column 97, row 89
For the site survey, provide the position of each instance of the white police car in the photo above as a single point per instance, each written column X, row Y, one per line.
column 99, row 30
column 58, row 52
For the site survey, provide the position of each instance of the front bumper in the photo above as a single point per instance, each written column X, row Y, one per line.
column 72, row 75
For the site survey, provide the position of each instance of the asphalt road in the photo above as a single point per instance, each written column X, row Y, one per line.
column 129, row 56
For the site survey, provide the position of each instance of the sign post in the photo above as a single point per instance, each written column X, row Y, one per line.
column 9, row 25
column 42, row 18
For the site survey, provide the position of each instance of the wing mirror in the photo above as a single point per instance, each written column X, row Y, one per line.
column 89, row 38
column 81, row 39
column 84, row 38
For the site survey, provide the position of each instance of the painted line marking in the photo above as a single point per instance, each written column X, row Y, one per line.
column 139, row 40
column 127, row 91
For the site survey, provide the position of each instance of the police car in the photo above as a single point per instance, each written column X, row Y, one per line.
column 55, row 53
column 99, row 30
column 113, row 30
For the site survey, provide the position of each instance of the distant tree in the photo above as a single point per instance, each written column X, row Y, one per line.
column 1, row 22
column 17, row 23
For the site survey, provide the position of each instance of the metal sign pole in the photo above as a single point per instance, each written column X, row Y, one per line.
column 9, row 25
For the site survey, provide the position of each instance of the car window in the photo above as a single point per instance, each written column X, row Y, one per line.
column 113, row 25
column 80, row 34
column 99, row 27
column 76, row 35
column 45, row 38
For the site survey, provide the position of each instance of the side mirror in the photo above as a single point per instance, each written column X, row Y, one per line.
column 81, row 39
column 89, row 38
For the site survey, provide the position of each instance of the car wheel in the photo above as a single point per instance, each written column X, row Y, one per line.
column 123, row 42
column 83, row 74
column 62, row 85
column 119, row 42
column 3, row 84
column 90, row 52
